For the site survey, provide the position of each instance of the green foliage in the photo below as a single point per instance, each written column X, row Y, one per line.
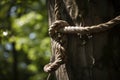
column 24, row 40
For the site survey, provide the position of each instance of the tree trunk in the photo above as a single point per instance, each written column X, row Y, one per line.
column 91, row 56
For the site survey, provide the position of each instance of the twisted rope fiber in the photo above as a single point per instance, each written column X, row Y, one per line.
column 61, row 26
column 59, row 39
column 91, row 29
column 57, row 32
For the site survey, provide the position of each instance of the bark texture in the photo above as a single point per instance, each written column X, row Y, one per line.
column 90, row 56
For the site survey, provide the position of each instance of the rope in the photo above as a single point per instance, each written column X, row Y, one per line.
column 57, row 33
column 59, row 39
column 60, row 45
column 91, row 29
column 58, row 11
column 59, row 27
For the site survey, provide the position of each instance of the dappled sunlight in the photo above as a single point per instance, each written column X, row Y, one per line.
column 5, row 33
column 24, row 40
column 29, row 18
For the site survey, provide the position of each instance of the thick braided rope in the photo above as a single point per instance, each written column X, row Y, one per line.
column 91, row 29
column 59, row 39
column 58, row 11
column 60, row 45
column 59, row 27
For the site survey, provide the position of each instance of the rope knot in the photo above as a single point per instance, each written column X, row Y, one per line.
column 56, row 26
column 60, row 44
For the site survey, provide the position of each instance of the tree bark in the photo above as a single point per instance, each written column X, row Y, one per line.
column 91, row 56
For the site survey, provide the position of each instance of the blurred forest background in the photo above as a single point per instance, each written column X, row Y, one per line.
column 24, row 40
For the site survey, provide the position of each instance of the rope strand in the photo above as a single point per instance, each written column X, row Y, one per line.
column 59, row 39
column 60, row 28
column 91, row 29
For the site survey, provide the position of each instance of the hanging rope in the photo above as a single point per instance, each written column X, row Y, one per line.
column 60, row 45
column 59, row 39
column 58, row 35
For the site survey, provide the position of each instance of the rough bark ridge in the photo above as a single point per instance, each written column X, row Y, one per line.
column 93, row 56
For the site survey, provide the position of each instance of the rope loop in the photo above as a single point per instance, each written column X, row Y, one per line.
column 60, row 45
column 56, row 26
